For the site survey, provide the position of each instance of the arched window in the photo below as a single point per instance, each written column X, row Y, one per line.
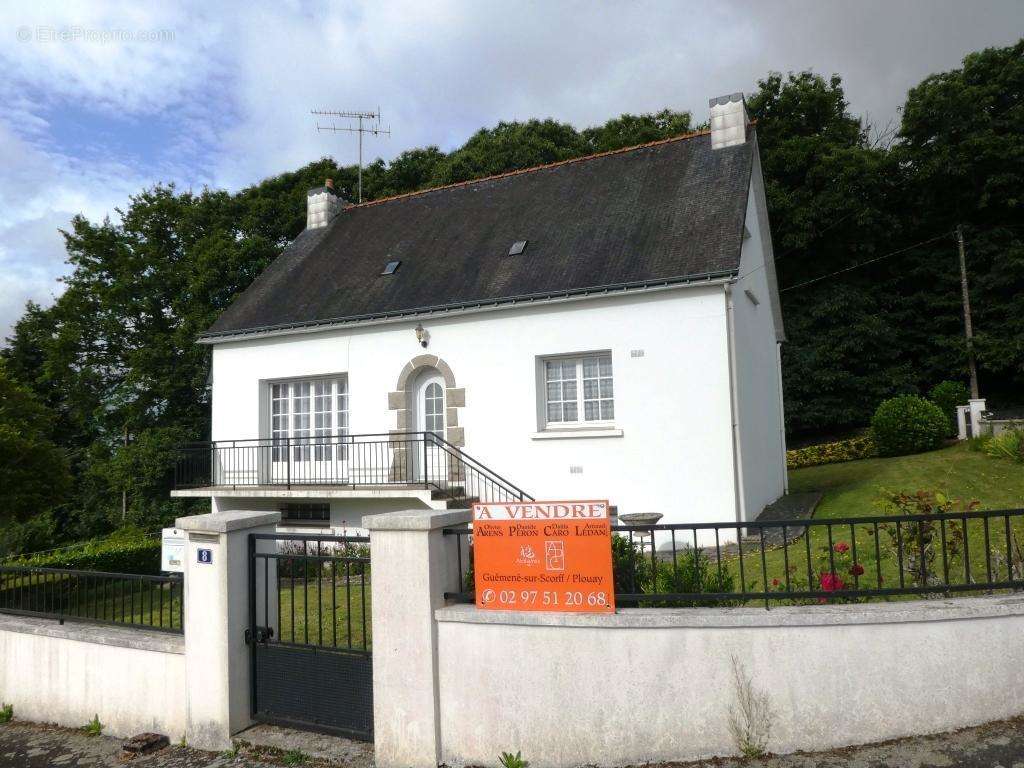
column 433, row 409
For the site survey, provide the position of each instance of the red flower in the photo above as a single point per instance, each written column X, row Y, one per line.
column 775, row 582
column 857, row 569
column 841, row 547
column 830, row 582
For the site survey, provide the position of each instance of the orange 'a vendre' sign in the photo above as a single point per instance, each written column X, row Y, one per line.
column 543, row 556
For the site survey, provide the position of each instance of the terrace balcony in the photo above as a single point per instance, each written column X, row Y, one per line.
column 397, row 464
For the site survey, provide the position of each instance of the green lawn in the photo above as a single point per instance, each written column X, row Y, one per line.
column 314, row 614
column 852, row 488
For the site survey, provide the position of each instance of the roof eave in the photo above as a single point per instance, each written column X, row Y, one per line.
column 311, row 326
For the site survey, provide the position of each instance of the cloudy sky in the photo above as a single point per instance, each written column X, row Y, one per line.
column 103, row 98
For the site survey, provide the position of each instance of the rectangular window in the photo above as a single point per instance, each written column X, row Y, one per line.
column 578, row 391
column 306, row 514
column 310, row 416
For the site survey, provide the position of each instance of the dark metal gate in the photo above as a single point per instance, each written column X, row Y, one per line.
column 310, row 632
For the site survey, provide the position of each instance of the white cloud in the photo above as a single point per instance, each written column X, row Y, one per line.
column 225, row 99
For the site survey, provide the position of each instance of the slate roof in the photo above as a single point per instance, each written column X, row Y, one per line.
column 670, row 211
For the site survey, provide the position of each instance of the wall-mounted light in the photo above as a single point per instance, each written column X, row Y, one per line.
column 422, row 335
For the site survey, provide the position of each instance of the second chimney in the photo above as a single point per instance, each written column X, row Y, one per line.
column 322, row 205
column 729, row 121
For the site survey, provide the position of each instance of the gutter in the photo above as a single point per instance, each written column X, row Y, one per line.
column 470, row 307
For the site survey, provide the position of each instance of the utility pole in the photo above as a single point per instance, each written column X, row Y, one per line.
column 968, row 328
column 359, row 128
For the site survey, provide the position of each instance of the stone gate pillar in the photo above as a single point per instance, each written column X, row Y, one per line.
column 413, row 564
column 217, row 661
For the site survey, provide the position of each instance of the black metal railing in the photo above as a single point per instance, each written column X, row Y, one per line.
column 403, row 459
column 123, row 599
column 311, row 591
column 849, row 559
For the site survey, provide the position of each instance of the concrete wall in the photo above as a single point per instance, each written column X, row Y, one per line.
column 650, row 685
column 756, row 331
column 673, row 451
column 66, row 674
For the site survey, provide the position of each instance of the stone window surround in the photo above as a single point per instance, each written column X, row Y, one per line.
column 401, row 400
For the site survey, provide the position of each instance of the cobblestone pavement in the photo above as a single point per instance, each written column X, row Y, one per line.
column 22, row 745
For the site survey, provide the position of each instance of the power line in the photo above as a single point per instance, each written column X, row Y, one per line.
column 864, row 263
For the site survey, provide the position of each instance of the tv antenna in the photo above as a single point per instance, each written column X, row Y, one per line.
column 371, row 125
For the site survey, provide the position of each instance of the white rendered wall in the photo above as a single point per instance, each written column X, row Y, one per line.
column 655, row 685
column 759, row 413
column 346, row 514
column 133, row 679
column 672, row 404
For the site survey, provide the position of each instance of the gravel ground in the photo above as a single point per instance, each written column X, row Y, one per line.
column 995, row 745
column 28, row 745
column 23, row 745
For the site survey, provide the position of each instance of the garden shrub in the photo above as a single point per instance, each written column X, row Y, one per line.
column 1007, row 445
column 948, row 395
column 860, row 447
column 978, row 443
column 693, row 573
column 908, row 424
column 129, row 554
column 295, row 565
column 631, row 569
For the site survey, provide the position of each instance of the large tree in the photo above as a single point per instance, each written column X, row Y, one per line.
column 962, row 146
column 34, row 472
column 829, row 196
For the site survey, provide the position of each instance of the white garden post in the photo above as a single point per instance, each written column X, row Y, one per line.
column 413, row 565
column 217, row 660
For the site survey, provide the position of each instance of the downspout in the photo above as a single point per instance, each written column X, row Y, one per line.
column 734, row 402
column 782, row 419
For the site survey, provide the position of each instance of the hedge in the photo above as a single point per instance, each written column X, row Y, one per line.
column 110, row 556
column 860, row 447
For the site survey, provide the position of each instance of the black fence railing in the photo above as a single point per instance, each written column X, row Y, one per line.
column 123, row 599
column 850, row 559
column 311, row 591
column 405, row 459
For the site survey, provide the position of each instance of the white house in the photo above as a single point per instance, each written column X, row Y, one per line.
column 604, row 327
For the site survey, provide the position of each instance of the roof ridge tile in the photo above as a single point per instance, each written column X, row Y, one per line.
column 531, row 169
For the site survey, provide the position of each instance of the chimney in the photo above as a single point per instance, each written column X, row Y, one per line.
column 322, row 205
column 729, row 121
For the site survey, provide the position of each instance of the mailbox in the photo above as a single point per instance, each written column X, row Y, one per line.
column 172, row 550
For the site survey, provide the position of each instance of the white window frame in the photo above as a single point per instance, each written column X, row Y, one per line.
column 304, row 391
column 581, row 423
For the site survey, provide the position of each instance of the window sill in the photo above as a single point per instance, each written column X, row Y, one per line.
column 572, row 434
